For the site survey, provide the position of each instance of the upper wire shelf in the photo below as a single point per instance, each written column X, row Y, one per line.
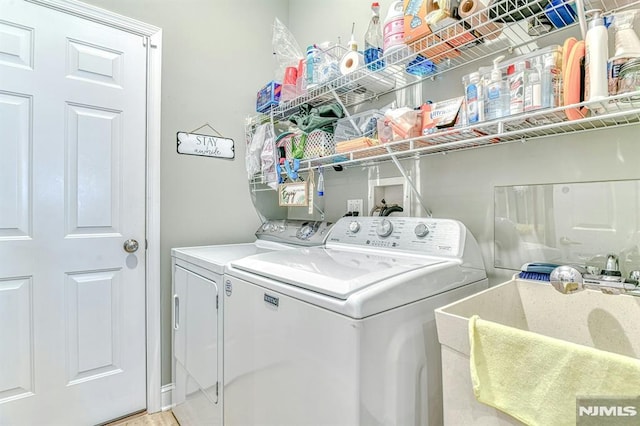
column 478, row 36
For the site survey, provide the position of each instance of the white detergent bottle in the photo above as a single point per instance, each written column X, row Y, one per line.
column 393, row 29
column 596, row 57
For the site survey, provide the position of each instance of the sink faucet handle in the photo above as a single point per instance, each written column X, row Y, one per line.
column 612, row 267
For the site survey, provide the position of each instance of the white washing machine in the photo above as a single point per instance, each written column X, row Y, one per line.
column 345, row 334
column 197, row 314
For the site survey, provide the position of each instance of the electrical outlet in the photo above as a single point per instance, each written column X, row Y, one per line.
column 354, row 206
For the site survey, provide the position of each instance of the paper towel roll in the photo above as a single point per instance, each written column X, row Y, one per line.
column 374, row 81
column 474, row 13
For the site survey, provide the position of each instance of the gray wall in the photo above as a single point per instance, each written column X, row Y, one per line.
column 216, row 55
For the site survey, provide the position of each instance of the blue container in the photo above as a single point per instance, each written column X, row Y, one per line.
column 561, row 12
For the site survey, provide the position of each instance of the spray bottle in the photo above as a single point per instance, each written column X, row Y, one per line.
column 373, row 40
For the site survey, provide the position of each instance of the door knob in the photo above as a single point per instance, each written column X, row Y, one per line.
column 131, row 246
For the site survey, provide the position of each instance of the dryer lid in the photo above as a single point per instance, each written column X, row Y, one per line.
column 330, row 271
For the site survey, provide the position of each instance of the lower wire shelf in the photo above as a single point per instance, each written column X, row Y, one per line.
column 615, row 111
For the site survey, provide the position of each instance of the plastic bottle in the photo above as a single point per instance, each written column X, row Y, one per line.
column 310, row 68
column 517, row 82
column 474, row 97
column 496, row 93
column 595, row 64
column 533, row 87
column 551, row 79
column 373, row 40
column 393, row 31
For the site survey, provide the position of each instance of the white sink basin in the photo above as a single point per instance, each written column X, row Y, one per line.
column 589, row 318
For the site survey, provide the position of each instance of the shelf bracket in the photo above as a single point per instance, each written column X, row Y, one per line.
column 345, row 110
column 404, row 174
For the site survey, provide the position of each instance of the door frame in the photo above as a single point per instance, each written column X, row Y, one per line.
column 152, row 39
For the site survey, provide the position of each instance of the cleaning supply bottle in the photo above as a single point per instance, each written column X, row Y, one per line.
column 373, row 40
column 627, row 46
column 517, row 83
column 474, row 97
column 596, row 41
column 551, row 77
column 393, row 31
column 496, row 93
column 312, row 65
column 533, row 86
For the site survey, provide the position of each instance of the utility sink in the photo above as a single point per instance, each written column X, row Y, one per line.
column 590, row 318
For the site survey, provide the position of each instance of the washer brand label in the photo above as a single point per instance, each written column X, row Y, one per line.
column 228, row 288
column 272, row 300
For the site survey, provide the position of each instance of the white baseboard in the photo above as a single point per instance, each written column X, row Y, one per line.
column 166, row 397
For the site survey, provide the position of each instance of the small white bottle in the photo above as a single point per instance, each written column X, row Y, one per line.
column 496, row 93
column 474, row 97
column 595, row 64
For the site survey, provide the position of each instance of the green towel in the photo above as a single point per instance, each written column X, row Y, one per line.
column 536, row 378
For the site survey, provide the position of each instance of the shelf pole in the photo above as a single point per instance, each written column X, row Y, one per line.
column 404, row 174
column 581, row 17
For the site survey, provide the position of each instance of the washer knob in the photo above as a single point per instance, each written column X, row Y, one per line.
column 421, row 230
column 385, row 228
column 354, row 227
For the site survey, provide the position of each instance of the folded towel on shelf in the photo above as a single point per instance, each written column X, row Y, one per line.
column 536, row 378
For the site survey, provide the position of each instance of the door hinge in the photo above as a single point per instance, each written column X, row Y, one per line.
column 217, row 300
column 146, row 244
column 217, row 383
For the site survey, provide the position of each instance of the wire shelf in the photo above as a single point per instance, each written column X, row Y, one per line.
column 478, row 36
column 497, row 37
column 615, row 111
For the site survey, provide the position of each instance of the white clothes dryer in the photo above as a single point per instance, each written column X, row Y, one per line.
column 197, row 314
column 345, row 334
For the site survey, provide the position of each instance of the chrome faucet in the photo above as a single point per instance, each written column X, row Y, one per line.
column 571, row 279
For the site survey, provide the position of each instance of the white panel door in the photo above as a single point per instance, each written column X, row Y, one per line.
column 72, row 190
column 587, row 227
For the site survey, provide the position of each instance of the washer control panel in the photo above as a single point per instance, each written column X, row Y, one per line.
column 301, row 232
column 440, row 237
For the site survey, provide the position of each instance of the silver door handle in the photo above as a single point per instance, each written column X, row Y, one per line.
column 131, row 246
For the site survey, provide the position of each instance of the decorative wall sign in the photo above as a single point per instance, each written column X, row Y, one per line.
column 205, row 145
column 293, row 194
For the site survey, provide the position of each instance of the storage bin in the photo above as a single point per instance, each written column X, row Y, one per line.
column 318, row 144
column 365, row 125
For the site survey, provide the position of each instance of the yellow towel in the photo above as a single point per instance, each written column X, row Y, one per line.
column 536, row 378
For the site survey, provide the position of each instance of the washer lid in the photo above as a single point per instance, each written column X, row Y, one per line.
column 330, row 271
